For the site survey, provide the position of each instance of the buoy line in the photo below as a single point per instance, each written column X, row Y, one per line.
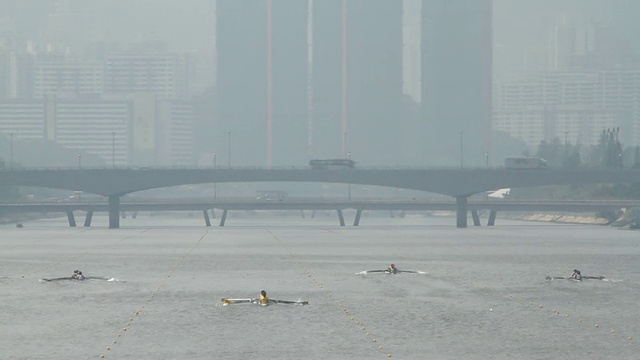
column 69, row 258
column 327, row 293
column 122, row 332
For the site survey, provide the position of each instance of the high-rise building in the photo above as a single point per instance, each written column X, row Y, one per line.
column 328, row 62
column 456, row 81
column 96, row 126
column 142, row 129
column 147, row 70
column 241, row 111
column 262, row 81
column 16, row 74
column 175, row 132
column 357, row 79
column 23, row 118
column 64, row 76
column 287, row 61
column 569, row 105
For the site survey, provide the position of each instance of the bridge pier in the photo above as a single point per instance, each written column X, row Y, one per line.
column 476, row 217
column 340, row 217
column 356, row 221
column 223, row 218
column 87, row 219
column 72, row 219
column 207, row 222
column 461, row 211
column 114, row 211
column 492, row 217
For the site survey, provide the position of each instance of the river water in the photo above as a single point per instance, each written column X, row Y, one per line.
column 484, row 295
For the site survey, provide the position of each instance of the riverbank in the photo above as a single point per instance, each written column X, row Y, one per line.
column 557, row 218
column 540, row 217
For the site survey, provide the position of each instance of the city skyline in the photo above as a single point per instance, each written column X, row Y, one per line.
column 386, row 82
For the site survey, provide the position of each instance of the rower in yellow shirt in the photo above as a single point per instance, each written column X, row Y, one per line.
column 264, row 299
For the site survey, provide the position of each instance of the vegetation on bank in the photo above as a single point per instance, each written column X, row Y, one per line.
column 609, row 153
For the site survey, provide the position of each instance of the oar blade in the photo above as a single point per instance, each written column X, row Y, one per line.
column 226, row 301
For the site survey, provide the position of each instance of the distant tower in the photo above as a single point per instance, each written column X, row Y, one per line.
column 457, row 80
column 261, row 49
column 357, row 79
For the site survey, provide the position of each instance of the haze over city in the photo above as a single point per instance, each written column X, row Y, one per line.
column 281, row 82
column 319, row 179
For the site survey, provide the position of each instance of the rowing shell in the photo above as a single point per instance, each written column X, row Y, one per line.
column 569, row 278
column 389, row 272
column 226, row 302
column 85, row 278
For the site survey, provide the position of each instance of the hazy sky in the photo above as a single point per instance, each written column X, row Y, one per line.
column 185, row 25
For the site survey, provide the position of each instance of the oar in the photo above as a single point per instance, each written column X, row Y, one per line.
column 594, row 277
column 226, row 301
column 290, row 302
column 371, row 271
column 412, row 272
column 58, row 279
column 562, row 278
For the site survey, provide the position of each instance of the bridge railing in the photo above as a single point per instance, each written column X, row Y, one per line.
column 248, row 167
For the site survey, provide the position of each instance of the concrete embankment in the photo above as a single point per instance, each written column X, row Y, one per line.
column 558, row 218
column 541, row 217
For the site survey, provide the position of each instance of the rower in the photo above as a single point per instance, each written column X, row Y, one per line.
column 392, row 269
column 77, row 275
column 264, row 299
column 576, row 275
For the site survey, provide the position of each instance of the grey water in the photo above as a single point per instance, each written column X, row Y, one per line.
column 484, row 295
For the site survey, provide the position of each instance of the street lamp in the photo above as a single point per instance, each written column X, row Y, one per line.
column 461, row 156
column 229, row 149
column 566, row 149
column 79, row 161
column 11, row 148
column 349, row 185
column 486, row 156
column 344, row 142
column 113, row 149
column 215, row 185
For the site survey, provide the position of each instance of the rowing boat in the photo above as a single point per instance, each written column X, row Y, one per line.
column 60, row 278
column 389, row 272
column 570, row 278
column 85, row 278
column 226, row 301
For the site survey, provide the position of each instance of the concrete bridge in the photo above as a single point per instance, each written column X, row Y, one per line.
column 240, row 204
column 457, row 183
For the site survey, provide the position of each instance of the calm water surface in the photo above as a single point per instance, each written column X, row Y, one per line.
column 484, row 295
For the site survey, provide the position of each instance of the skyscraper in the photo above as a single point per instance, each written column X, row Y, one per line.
column 357, row 79
column 288, row 55
column 262, row 81
column 327, row 126
column 456, row 81
column 241, row 106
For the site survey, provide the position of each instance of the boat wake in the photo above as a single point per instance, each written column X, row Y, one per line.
column 367, row 272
